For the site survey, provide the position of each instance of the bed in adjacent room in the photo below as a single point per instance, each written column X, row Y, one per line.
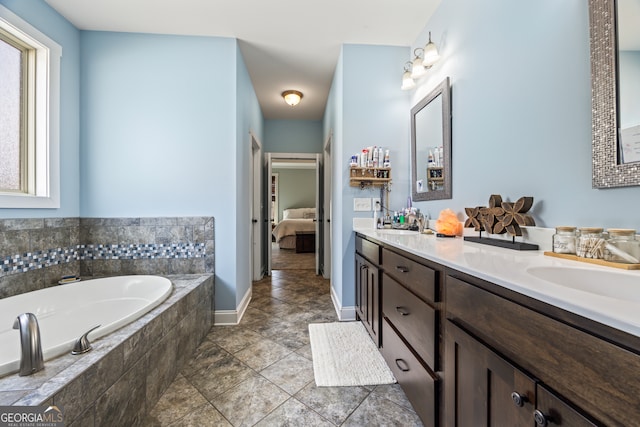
column 298, row 219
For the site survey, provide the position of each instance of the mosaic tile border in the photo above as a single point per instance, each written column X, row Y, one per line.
column 21, row 263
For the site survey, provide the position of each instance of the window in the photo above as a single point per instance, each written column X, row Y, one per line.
column 29, row 116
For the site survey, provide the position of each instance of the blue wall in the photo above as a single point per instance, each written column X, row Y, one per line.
column 49, row 22
column 249, row 121
column 148, row 123
column 366, row 107
column 293, row 136
column 296, row 189
column 521, row 100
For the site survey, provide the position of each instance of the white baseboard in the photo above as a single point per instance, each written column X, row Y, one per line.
column 344, row 313
column 232, row 317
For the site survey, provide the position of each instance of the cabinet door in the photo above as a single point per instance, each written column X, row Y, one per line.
column 482, row 389
column 554, row 412
column 368, row 297
column 361, row 287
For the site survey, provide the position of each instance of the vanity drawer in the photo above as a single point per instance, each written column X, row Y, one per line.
column 418, row 383
column 368, row 249
column 412, row 317
column 421, row 279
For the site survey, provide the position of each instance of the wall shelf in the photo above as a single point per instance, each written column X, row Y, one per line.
column 369, row 176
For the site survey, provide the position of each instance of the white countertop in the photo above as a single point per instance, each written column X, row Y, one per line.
column 508, row 268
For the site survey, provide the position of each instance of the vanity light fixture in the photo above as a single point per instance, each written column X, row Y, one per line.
column 292, row 97
column 424, row 58
column 417, row 66
column 431, row 54
column 407, row 80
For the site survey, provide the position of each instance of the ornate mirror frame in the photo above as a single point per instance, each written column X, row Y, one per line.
column 444, row 90
column 607, row 173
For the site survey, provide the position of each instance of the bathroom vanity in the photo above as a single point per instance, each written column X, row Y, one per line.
column 481, row 335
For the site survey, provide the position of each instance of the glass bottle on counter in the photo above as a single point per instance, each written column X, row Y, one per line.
column 564, row 241
column 590, row 243
column 622, row 246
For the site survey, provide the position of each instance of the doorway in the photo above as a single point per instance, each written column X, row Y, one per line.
column 293, row 235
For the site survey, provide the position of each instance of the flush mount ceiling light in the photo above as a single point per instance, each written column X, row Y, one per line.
column 292, row 97
column 424, row 58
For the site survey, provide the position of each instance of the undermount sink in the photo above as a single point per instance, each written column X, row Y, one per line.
column 612, row 284
column 395, row 231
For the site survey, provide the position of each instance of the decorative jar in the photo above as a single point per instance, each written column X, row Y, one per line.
column 622, row 246
column 590, row 243
column 564, row 241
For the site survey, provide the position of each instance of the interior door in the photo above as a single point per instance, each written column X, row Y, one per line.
column 256, row 203
column 319, row 215
column 326, row 208
column 267, row 218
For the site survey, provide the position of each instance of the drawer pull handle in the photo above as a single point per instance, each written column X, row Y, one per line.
column 518, row 399
column 405, row 367
column 402, row 269
column 364, row 267
column 403, row 311
column 541, row 419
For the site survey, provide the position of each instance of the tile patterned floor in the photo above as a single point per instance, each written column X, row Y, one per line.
column 288, row 259
column 260, row 371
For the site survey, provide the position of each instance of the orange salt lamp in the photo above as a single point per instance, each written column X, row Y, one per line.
column 448, row 224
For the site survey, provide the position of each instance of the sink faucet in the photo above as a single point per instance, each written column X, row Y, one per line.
column 31, row 356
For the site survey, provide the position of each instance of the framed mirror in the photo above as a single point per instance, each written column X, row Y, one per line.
column 431, row 145
column 615, row 73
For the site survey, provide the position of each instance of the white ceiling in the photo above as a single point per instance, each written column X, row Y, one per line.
column 286, row 44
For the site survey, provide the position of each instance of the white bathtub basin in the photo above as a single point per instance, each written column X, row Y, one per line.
column 65, row 312
column 613, row 284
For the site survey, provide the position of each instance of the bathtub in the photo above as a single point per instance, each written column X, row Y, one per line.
column 65, row 312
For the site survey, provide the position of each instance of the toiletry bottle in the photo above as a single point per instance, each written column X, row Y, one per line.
column 387, row 161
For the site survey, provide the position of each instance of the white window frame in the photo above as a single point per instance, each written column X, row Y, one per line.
column 45, row 128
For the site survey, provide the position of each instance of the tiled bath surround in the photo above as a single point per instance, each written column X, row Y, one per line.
column 21, row 239
column 117, row 382
column 127, row 371
column 36, row 253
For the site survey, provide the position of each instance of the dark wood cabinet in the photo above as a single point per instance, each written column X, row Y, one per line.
column 411, row 334
column 580, row 379
column 486, row 390
column 468, row 352
column 368, row 297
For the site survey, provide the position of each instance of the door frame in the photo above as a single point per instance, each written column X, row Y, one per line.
column 269, row 159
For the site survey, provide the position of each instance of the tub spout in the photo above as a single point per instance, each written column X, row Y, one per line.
column 31, row 356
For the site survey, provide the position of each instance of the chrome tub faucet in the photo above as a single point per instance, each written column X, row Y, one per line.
column 31, row 355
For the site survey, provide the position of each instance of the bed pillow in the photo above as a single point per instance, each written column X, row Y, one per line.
column 299, row 213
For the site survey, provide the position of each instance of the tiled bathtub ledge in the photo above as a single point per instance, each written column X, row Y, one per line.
column 128, row 370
